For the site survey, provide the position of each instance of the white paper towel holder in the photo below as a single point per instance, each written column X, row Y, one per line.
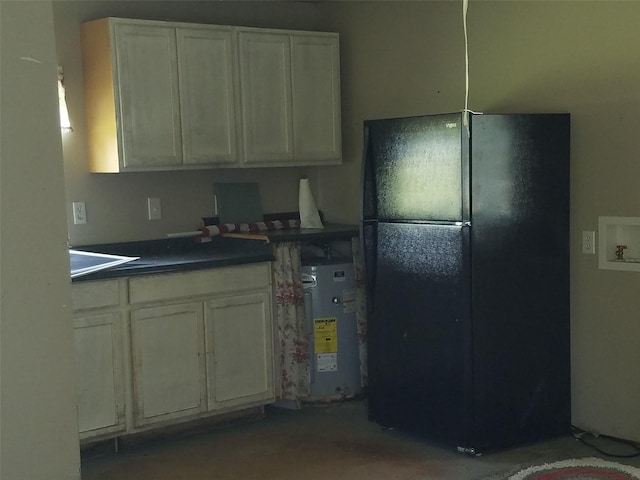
column 309, row 215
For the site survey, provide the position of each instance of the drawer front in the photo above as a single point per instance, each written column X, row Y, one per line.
column 100, row 294
column 215, row 281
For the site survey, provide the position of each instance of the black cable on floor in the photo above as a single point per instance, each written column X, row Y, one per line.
column 579, row 434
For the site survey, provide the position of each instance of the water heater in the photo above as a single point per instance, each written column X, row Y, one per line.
column 330, row 316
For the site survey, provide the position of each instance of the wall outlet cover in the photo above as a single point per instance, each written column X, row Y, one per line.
column 589, row 242
column 79, row 213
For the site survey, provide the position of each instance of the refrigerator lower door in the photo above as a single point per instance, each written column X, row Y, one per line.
column 419, row 332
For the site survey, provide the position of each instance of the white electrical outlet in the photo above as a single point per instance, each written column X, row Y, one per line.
column 154, row 208
column 79, row 213
column 589, row 242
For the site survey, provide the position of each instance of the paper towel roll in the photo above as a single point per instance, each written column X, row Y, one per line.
column 309, row 216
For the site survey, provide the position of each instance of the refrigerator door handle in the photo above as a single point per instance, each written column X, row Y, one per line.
column 368, row 262
column 368, row 206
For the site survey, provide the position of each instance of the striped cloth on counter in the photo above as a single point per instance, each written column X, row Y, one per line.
column 215, row 230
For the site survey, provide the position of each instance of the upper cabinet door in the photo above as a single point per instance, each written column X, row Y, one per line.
column 207, row 95
column 315, row 73
column 265, row 82
column 147, row 81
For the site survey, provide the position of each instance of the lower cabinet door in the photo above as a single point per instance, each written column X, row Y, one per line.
column 239, row 350
column 99, row 377
column 168, row 362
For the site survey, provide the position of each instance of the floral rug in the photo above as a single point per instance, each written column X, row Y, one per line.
column 579, row 469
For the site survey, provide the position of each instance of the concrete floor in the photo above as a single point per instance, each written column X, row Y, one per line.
column 318, row 442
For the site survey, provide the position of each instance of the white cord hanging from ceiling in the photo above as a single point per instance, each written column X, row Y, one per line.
column 465, row 120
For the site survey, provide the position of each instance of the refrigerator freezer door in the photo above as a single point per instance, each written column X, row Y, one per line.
column 415, row 169
column 419, row 332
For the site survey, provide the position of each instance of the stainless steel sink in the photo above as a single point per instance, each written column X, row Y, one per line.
column 84, row 263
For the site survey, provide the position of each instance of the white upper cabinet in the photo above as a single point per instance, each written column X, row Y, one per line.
column 207, row 95
column 171, row 96
column 265, row 82
column 290, row 84
column 159, row 96
column 315, row 85
column 147, row 76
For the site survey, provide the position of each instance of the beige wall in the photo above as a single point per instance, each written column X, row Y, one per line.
column 407, row 58
column 116, row 204
column 38, row 429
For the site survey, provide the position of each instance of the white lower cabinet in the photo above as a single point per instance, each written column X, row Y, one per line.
column 213, row 352
column 99, row 380
column 239, row 350
column 97, row 321
column 156, row 350
column 168, row 367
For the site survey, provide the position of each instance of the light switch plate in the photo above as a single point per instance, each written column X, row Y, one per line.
column 154, row 208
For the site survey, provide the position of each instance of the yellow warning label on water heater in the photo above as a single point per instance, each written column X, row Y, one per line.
column 325, row 334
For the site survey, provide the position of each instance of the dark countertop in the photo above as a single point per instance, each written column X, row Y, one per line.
column 176, row 255
column 183, row 254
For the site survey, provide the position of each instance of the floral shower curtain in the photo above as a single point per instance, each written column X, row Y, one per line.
column 361, row 306
column 293, row 345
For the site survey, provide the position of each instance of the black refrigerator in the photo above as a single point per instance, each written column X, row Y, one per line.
column 465, row 232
